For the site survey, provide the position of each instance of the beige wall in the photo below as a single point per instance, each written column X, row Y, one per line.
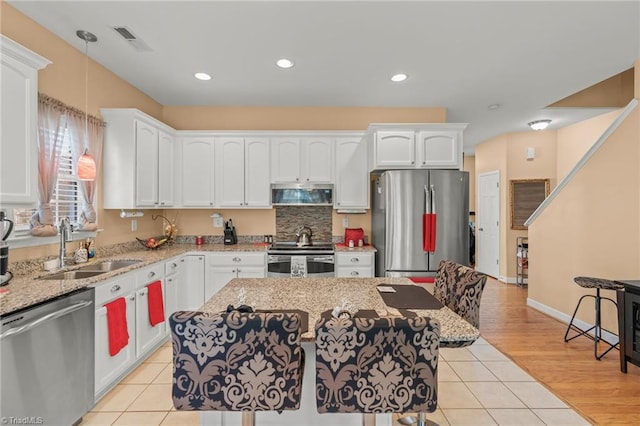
column 507, row 154
column 591, row 228
column 574, row 141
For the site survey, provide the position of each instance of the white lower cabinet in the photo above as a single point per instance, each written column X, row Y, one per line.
column 354, row 265
column 191, row 295
column 147, row 335
column 108, row 368
column 174, row 271
column 223, row 267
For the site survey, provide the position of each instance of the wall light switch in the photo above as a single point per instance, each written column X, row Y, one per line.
column 134, row 225
column 345, row 222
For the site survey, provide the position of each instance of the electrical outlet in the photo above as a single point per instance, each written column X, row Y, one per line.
column 217, row 220
column 345, row 222
column 134, row 225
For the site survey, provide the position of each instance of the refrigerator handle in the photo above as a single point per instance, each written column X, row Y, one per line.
column 433, row 200
column 427, row 200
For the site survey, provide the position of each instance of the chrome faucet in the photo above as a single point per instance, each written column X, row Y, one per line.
column 65, row 235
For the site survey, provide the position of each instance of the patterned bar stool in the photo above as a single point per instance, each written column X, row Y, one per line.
column 377, row 365
column 236, row 362
column 460, row 288
column 598, row 284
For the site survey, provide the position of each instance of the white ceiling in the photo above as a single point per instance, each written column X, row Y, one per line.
column 463, row 56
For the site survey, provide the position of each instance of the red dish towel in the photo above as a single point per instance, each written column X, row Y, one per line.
column 156, row 307
column 117, row 325
column 429, row 232
column 422, row 280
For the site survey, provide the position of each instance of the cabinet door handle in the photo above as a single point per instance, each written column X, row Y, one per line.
column 151, row 274
column 170, row 280
column 355, row 260
column 200, row 258
column 355, row 273
column 237, row 259
column 238, row 271
column 132, row 298
column 182, row 260
column 115, row 288
column 174, row 265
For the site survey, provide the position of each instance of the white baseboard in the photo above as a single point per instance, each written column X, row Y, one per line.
column 509, row 280
column 561, row 316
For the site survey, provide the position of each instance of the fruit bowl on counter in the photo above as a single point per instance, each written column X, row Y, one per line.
column 169, row 234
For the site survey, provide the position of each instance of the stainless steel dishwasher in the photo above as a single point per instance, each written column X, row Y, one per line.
column 47, row 361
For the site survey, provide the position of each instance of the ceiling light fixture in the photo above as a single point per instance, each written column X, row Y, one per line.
column 539, row 124
column 493, row 107
column 86, row 167
column 397, row 78
column 285, row 63
column 202, row 76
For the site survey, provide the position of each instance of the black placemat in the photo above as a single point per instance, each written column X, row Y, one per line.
column 304, row 316
column 410, row 297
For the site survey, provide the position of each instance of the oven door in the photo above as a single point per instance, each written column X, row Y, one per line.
column 318, row 265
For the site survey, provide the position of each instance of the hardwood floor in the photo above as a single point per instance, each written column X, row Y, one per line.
column 534, row 341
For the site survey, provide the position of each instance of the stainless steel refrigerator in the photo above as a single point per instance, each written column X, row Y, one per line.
column 419, row 217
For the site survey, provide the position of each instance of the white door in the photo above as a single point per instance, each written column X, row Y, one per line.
column 257, row 183
column 317, row 160
column 166, row 169
column 197, row 172
column 285, row 160
column 229, row 172
column 191, row 292
column 146, row 165
column 352, row 176
column 488, row 224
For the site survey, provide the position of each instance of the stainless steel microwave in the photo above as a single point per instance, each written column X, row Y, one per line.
column 300, row 194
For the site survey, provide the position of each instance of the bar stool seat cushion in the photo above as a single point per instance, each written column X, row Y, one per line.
column 377, row 365
column 236, row 361
column 602, row 283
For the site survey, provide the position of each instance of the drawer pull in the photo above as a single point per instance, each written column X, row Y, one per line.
column 355, row 260
column 132, row 298
column 115, row 288
column 355, row 273
column 151, row 274
column 237, row 259
column 174, row 265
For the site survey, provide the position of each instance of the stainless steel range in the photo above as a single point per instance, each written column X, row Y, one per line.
column 288, row 259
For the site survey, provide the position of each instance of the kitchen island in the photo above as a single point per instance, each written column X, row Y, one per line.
column 315, row 296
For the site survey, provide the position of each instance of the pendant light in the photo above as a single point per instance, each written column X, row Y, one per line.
column 86, row 168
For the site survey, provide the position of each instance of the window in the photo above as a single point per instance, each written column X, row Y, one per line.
column 65, row 200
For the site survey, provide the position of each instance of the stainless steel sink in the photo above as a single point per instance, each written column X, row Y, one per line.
column 73, row 275
column 110, row 265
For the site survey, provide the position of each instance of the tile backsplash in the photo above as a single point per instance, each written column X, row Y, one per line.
column 290, row 218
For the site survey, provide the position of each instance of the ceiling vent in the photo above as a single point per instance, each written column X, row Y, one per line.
column 135, row 42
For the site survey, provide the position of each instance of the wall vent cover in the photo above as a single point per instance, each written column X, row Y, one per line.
column 135, row 42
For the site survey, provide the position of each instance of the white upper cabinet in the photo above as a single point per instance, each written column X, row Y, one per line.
column 408, row 146
column 395, row 148
column 303, row 160
column 138, row 161
column 197, row 171
column 242, row 172
column 439, row 148
column 19, row 123
column 257, row 172
column 317, row 160
column 352, row 176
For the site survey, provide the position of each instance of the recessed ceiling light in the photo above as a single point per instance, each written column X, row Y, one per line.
column 493, row 107
column 539, row 124
column 397, row 78
column 202, row 76
column 284, row 63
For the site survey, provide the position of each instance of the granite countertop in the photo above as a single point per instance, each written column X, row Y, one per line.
column 316, row 295
column 26, row 289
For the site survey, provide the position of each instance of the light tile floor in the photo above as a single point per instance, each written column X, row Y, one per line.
column 477, row 385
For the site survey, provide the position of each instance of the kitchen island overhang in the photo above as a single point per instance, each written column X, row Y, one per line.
column 315, row 296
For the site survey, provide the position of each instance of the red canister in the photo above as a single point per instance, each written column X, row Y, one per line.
column 199, row 240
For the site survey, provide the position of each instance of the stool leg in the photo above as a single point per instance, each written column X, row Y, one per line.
column 598, row 329
column 248, row 418
column 571, row 325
